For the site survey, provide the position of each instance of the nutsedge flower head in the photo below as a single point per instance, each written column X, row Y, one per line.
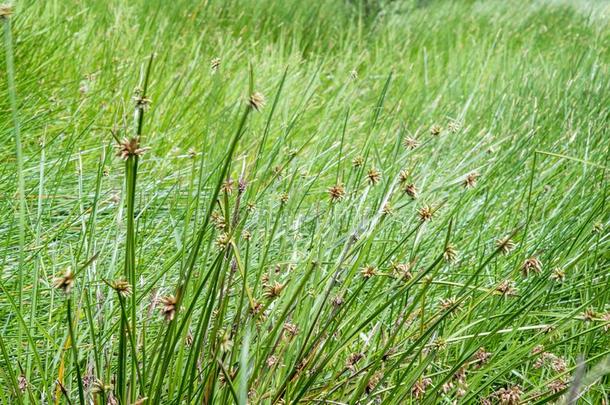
column 168, row 307
column 256, row 101
column 129, row 147
column 122, row 287
column 65, row 282
column 336, row 192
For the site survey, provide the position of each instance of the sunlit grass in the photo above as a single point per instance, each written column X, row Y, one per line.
column 326, row 202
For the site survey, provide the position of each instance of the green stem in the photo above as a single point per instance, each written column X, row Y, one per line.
column 12, row 92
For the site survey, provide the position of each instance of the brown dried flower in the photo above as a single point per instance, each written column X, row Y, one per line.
column 168, row 307
column 374, row 176
column 256, row 101
column 531, row 265
column 65, row 282
column 471, row 180
column 336, row 192
column 368, row 272
column 505, row 245
column 129, row 147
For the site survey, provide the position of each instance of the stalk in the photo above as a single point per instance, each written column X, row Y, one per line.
column 5, row 13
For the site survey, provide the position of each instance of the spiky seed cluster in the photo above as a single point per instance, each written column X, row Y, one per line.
column 168, row 307
column 505, row 245
column 435, row 130
column 410, row 143
column 122, row 287
column 99, row 387
column 374, row 176
column 558, row 385
column 22, row 383
column 291, row 329
column 387, row 209
column 273, row 291
column 450, row 255
column 552, row 361
column 531, row 265
column 130, row 147
column 506, row 288
column 227, row 186
column 6, row 10
column 425, row 213
column 337, row 301
column 223, row 240
column 403, row 176
column 373, row 382
column 588, row 315
column 65, row 282
column 411, row 191
column 225, row 344
column 419, row 388
column 558, row 275
column 353, row 359
column 358, row 161
column 447, row 303
column 471, row 180
column 403, row 270
column 336, row 192
column 142, row 102
column 509, row 396
column 283, row 198
column 256, row 101
column 368, row 272
column 454, row 126
column 482, row 356
column 215, row 64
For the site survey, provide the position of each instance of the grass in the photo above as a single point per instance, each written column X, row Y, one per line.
column 415, row 212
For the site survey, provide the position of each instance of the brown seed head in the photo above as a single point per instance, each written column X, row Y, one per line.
column 509, row 396
column 291, row 329
column 558, row 275
column 403, row 270
column 336, row 192
column 368, row 272
column 168, row 307
column 130, row 147
column 6, row 10
column 450, row 255
column 589, row 315
column 358, row 161
column 425, row 213
column 435, row 130
column 471, row 180
column 410, row 143
column 215, row 64
column 505, row 245
column 531, row 265
column 411, row 190
column 419, row 388
column 374, row 176
column 65, row 282
column 353, row 359
column 283, row 198
column 506, row 288
column 273, row 291
column 403, row 176
column 122, row 287
column 256, row 101
column 227, row 186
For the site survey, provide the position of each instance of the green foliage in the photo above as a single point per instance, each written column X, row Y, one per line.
column 343, row 238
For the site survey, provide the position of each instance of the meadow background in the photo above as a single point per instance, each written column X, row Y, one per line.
column 416, row 213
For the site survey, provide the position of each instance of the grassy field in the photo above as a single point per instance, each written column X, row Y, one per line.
column 331, row 202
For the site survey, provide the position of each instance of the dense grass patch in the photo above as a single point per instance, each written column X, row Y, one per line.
column 320, row 202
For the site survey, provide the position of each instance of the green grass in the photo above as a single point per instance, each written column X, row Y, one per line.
column 214, row 266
